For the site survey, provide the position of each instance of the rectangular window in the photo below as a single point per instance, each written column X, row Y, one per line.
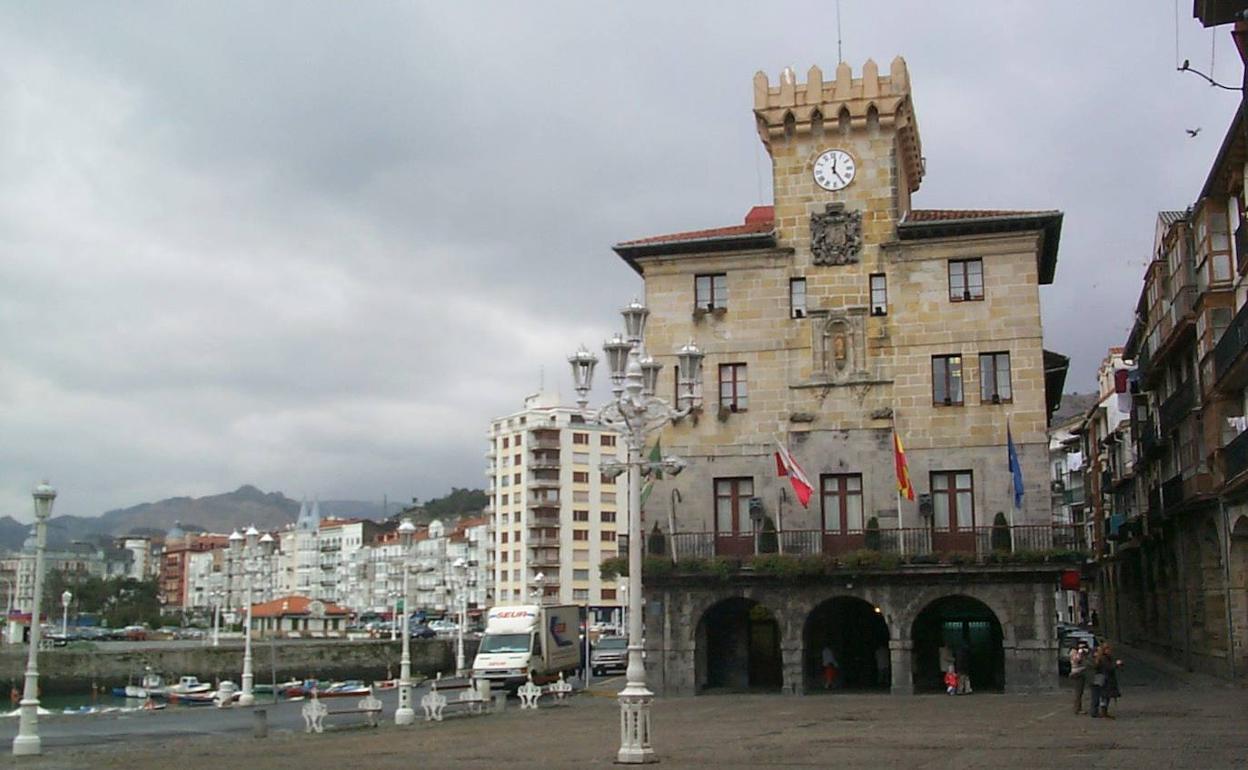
column 517, row 440
column 607, row 440
column 505, row 442
column 732, row 498
column 953, row 501
column 607, row 537
column 580, row 534
column 580, row 594
column 797, row 297
column 580, row 458
column 580, row 497
column 580, row 555
column 515, row 479
column 580, row 477
column 506, row 498
column 580, row 515
column 580, row 574
column 605, row 479
column 947, row 380
column 502, row 557
column 994, row 378
column 608, row 594
column 502, row 537
column 608, row 516
column 515, row 459
column 966, row 279
column 580, row 438
column 733, row 392
column 608, row 497
column 842, row 503
column 879, row 294
column 710, row 292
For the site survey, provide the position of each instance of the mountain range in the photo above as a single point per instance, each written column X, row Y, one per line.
column 225, row 512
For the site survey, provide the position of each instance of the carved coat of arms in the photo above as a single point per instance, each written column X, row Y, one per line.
column 836, row 235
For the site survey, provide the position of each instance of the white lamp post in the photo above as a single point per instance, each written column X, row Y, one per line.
column 405, row 714
column 460, row 568
column 635, row 412
column 217, row 596
column 27, row 739
column 67, row 596
column 248, row 545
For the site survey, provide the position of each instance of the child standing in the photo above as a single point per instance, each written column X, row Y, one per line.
column 951, row 681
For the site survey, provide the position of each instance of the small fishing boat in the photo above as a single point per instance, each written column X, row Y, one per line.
column 188, row 685
column 203, row 698
column 348, row 689
column 152, row 686
column 281, row 688
column 385, row 684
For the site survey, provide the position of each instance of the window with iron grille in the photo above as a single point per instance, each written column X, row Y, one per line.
column 994, row 378
column 947, row 380
column 733, row 391
column 710, row 291
column 966, row 280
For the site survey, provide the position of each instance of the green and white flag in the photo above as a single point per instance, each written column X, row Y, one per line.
column 656, row 457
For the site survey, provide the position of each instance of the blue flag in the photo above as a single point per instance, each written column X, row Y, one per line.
column 1016, row 470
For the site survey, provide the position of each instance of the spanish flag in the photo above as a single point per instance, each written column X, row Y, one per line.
column 904, row 487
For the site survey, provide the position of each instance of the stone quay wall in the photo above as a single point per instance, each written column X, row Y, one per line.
column 69, row 670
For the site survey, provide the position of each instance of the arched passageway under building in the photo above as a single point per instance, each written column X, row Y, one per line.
column 958, row 623
column 857, row 635
column 738, row 648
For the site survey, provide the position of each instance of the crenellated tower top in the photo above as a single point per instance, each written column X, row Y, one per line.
column 846, row 105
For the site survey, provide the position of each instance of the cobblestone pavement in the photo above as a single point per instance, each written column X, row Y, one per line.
column 1161, row 722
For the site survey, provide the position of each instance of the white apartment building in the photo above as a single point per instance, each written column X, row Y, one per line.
column 143, row 565
column 556, row 517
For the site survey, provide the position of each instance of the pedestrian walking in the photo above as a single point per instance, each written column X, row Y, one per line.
column 1107, row 669
column 1079, row 664
column 962, row 660
column 830, row 667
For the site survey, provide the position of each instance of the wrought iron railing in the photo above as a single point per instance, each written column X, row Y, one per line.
column 979, row 543
column 1235, row 457
column 1232, row 344
column 1176, row 407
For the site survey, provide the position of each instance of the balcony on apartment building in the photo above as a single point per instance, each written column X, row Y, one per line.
column 1176, row 407
column 1150, row 446
column 544, row 517
column 543, row 479
column 539, row 536
column 1230, row 356
column 547, row 459
column 546, row 558
column 544, row 439
column 915, row 544
column 1235, row 464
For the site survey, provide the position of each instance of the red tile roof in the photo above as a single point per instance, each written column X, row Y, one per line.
column 291, row 605
column 759, row 220
column 954, row 215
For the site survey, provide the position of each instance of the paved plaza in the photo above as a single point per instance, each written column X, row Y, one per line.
column 1162, row 721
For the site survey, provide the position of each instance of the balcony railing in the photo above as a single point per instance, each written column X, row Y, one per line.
column 1147, row 433
column 1073, row 495
column 1230, row 349
column 1177, row 406
column 1235, row 457
column 1172, row 493
column 978, row 542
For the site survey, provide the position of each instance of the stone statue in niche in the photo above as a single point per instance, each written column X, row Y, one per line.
column 836, row 235
column 838, row 346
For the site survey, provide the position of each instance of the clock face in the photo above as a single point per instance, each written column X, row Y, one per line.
column 834, row 170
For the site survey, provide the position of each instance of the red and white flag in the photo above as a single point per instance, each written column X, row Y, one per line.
column 787, row 466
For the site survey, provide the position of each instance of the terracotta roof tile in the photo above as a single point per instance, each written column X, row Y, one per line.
column 291, row 605
column 759, row 221
column 954, row 215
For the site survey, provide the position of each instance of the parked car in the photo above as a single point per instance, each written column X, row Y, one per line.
column 135, row 633
column 609, row 654
column 421, row 631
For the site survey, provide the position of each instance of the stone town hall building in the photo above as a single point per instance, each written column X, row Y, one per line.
column 830, row 320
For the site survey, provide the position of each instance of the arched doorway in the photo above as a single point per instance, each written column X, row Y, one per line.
column 958, row 623
column 857, row 634
column 738, row 647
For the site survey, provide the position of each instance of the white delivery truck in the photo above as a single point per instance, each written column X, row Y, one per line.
column 528, row 639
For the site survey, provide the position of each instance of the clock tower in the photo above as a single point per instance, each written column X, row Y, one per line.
column 845, row 159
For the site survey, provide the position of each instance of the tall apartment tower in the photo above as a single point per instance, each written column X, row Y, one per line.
column 556, row 517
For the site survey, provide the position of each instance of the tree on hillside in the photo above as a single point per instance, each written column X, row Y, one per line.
column 456, row 505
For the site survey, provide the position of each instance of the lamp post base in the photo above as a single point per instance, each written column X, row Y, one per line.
column 635, row 748
column 405, row 714
column 27, row 745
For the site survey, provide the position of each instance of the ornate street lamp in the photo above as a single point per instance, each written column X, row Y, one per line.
column 250, row 552
column 635, row 412
column 460, row 568
column 67, row 596
column 405, row 714
column 27, row 740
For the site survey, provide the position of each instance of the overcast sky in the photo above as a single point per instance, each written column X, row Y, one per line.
column 316, row 247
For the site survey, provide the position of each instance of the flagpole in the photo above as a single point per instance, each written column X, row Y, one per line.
column 901, row 535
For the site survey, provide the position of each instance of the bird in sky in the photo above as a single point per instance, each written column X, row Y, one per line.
column 1192, row 132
